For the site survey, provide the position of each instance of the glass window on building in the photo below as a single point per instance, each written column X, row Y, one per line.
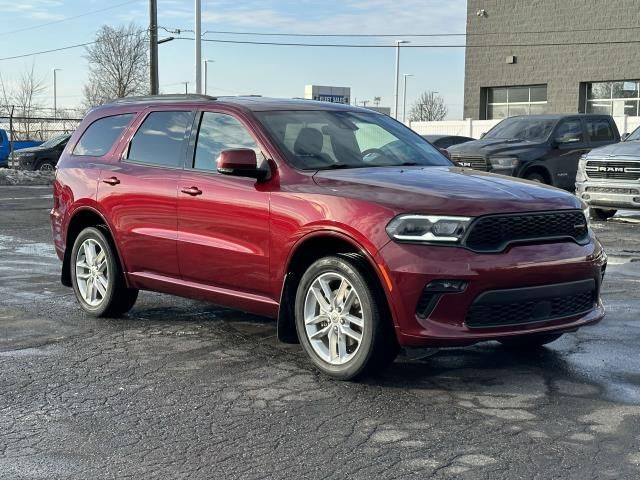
column 503, row 102
column 617, row 98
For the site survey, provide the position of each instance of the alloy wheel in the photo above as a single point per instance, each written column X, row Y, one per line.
column 333, row 318
column 92, row 272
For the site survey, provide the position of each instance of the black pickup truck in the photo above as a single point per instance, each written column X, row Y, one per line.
column 542, row 148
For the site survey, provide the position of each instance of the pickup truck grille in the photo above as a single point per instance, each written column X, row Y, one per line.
column 470, row 161
column 611, row 170
column 493, row 233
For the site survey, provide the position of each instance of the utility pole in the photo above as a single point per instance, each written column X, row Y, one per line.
column 153, row 46
column 55, row 93
column 186, row 87
column 205, row 62
column 397, row 79
column 198, row 42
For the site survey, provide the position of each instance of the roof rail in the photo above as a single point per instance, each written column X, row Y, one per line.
column 164, row 98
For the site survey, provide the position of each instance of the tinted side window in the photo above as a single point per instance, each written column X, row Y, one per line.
column 220, row 132
column 101, row 135
column 599, row 130
column 161, row 138
column 570, row 130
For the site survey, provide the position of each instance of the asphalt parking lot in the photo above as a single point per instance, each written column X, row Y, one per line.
column 181, row 389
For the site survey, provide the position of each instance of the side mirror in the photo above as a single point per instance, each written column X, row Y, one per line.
column 567, row 140
column 240, row 162
column 445, row 152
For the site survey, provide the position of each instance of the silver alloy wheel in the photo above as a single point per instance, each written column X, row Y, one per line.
column 333, row 318
column 46, row 167
column 92, row 272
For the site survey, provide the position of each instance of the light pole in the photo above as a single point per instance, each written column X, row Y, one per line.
column 395, row 90
column 204, row 62
column 186, row 87
column 404, row 96
column 55, row 92
column 198, row 42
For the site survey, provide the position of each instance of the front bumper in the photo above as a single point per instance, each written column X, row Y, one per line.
column 412, row 267
column 609, row 194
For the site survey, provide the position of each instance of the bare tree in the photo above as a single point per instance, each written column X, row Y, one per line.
column 429, row 107
column 26, row 101
column 118, row 64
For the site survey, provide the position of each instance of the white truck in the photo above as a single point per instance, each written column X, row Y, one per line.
column 608, row 178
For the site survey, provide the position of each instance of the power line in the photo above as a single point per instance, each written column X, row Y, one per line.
column 55, row 22
column 348, row 45
column 398, row 35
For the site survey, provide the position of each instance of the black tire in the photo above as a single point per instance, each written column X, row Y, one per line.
column 536, row 177
column 601, row 213
column 118, row 299
column 530, row 342
column 46, row 165
column 378, row 346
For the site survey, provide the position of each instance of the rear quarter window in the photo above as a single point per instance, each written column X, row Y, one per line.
column 100, row 136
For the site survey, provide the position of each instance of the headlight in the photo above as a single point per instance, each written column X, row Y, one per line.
column 504, row 163
column 428, row 228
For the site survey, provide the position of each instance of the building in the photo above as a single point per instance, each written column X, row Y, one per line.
column 327, row 94
column 508, row 72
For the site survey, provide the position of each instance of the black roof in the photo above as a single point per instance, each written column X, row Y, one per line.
column 250, row 102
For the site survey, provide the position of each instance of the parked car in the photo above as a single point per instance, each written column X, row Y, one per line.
column 609, row 177
column 446, row 141
column 350, row 229
column 43, row 157
column 6, row 147
column 541, row 148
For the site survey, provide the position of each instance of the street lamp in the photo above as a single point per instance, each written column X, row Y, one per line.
column 204, row 62
column 55, row 93
column 404, row 96
column 395, row 91
column 186, row 87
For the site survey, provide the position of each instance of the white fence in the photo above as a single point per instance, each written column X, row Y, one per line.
column 475, row 128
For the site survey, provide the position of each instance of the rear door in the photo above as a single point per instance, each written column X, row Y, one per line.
column 139, row 193
column 600, row 131
column 570, row 144
column 223, row 221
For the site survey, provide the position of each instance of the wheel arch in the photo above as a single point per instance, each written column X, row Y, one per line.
column 540, row 169
column 307, row 250
column 82, row 218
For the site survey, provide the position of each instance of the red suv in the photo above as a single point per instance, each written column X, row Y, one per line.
column 349, row 228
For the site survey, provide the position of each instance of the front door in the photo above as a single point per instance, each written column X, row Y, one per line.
column 223, row 221
column 570, row 144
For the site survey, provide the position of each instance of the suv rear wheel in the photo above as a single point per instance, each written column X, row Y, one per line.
column 601, row 213
column 340, row 319
column 96, row 276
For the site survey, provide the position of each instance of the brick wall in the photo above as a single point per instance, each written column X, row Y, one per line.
column 562, row 67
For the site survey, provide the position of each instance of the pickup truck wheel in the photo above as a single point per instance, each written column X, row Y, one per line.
column 601, row 213
column 96, row 276
column 535, row 177
column 340, row 320
column 530, row 342
column 47, row 166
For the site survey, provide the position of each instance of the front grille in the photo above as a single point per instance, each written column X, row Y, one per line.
column 492, row 233
column 614, row 190
column 470, row 161
column 487, row 313
column 613, row 170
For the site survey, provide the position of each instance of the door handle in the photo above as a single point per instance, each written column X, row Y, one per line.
column 111, row 180
column 193, row 191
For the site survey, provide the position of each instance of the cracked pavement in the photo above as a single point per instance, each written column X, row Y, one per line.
column 183, row 389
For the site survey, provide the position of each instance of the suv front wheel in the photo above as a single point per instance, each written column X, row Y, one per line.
column 340, row 319
column 97, row 278
column 601, row 213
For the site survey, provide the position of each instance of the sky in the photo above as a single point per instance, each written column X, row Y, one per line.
column 282, row 71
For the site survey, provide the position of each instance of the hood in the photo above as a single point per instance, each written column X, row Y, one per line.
column 493, row 146
column 20, row 151
column 631, row 149
column 443, row 190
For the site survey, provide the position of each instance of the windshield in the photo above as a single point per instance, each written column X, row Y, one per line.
column 52, row 142
column 531, row 129
column 634, row 137
column 321, row 139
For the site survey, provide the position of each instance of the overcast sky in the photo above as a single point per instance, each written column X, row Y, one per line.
column 250, row 69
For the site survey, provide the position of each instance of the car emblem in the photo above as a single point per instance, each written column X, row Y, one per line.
column 612, row 169
column 465, row 164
